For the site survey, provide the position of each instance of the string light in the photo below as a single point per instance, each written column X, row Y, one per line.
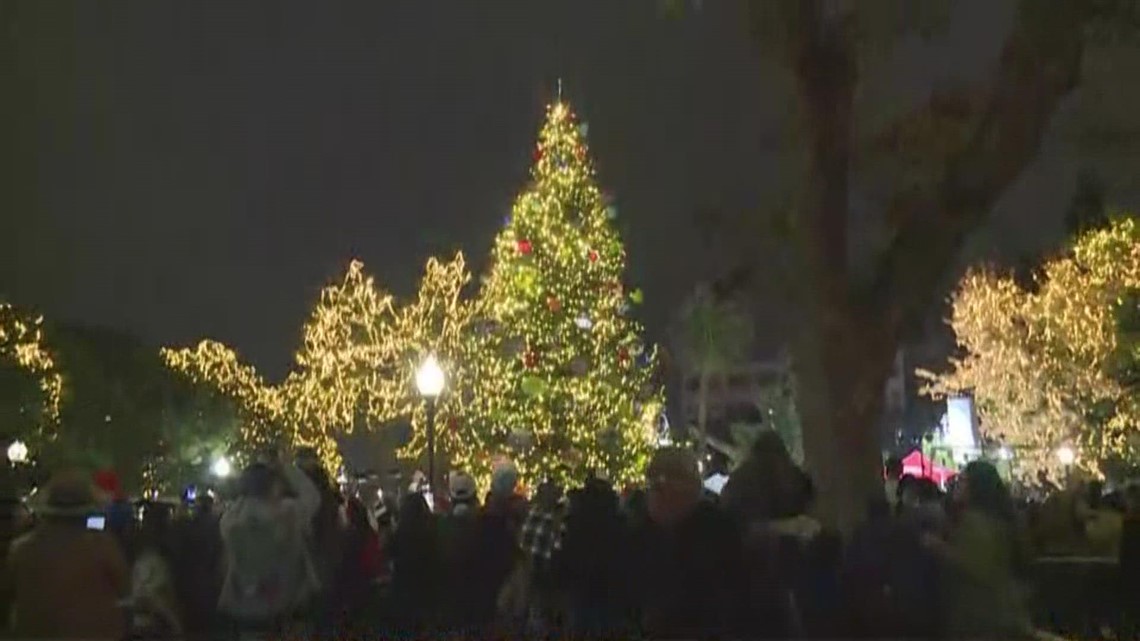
column 543, row 365
column 563, row 381
column 1051, row 366
column 22, row 343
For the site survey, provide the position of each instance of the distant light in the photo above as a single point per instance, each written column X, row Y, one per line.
column 107, row 418
column 1005, row 454
column 430, row 377
column 17, row 452
column 1066, row 455
column 221, row 467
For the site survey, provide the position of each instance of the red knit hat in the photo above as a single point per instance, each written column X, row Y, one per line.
column 108, row 482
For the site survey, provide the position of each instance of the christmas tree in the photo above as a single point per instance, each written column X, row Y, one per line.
column 567, row 385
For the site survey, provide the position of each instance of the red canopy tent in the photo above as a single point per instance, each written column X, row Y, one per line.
column 918, row 465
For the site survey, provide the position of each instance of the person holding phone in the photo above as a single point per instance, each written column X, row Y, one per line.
column 67, row 581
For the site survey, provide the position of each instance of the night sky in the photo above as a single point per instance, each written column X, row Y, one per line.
column 185, row 170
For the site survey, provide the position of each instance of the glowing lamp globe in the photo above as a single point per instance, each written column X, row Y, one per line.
column 221, row 467
column 430, row 378
column 1066, row 455
column 17, row 452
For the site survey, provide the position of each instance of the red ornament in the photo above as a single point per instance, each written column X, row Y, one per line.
column 538, row 154
column 623, row 355
column 452, row 423
column 593, row 255
column 580, row 152
column 553, row 303
column 525, row 247
column 530, row 359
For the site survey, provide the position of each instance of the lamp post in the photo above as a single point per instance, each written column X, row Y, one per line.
column 430, row 381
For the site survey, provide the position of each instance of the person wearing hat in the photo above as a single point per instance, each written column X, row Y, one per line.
column 68, row 581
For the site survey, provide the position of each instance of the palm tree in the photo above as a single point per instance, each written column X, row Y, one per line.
column 715, row 334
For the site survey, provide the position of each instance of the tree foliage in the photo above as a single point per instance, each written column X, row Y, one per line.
column 1056, row 364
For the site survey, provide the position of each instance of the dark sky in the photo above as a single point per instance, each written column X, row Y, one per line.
column 200, row 169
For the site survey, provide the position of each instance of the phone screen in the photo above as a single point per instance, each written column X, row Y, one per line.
column 97, row 522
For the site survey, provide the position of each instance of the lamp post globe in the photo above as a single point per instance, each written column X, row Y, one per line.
column 430, row 381
column 18, row 452
column 221, row 467
column 430, row 378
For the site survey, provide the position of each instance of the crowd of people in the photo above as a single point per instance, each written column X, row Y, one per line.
column 291, row 555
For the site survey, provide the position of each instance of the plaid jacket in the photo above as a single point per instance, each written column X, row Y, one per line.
column 542, row 534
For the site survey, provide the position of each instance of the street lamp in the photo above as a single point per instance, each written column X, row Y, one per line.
column 221, row 467
column 430, row 381
column 17, row 452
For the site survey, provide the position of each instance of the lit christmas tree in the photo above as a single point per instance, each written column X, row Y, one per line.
column 565, row 384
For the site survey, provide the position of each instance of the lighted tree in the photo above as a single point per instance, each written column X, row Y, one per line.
column 929, row 168
column 347, row 361
column 260, row 406
column 22, row 345
column 1056, row 364
column 567, row 384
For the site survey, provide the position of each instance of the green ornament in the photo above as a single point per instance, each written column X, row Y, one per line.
column 636, row 296
column 611, row 212
column 584, row 129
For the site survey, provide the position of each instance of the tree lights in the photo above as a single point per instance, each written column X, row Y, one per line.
column 22, row 343
column 1056, row 366
column 544, row 365
column 567, row 384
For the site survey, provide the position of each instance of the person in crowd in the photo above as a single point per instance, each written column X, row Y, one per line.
column 982, row 597
column 119, row 512
column 892, row 477
column 594, row 547
column 769, row 496
column 14, row 520
column 541, row 541
column 198, row 568
column 685, row 563
column 153, row 599
column 67, row 581
column 416, row 567
column 325, row 538
column 867, row 574
column 466, row 611
column 1102, row 525
column 265, row 532
column 360, row 569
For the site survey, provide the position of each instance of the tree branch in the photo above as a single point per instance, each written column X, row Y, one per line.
column 1040, row 65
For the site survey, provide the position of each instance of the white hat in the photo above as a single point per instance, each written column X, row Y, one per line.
column 460, row 486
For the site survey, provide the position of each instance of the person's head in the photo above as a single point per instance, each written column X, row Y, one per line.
column 504, row 480
column 893, row 468
column 927, row 491
column 69, row 498
column 548, row 495
column 461, row 488
column 261, row 481
column 154, row 530
column 907, row 492
column 204, row 505
column 414, row 511
column 980, row 488
column 674, row 482
column 769, row 448
column 357, row 515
